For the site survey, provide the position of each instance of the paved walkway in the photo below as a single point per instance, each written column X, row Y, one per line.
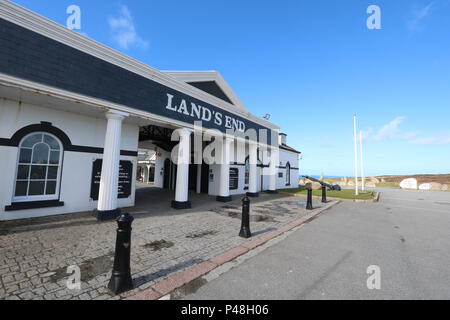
column 406, row 235
column 34, row 255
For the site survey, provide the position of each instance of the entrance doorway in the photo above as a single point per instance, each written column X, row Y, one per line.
column 205, row 179
column 167, row 171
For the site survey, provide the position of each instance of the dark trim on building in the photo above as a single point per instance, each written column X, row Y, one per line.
column 107, row 215
column 224, row 199
column 243, row 165
column 237, row 164
column 65, row 140
column 287, row 148
column 127, row 153
column 286, row 167
column 253, row 194
column 272, row 191
column 181, row 205
column 16, row 206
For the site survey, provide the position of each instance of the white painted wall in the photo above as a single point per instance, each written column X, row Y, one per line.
column 159, row 168
column 77, row 167
column 292, row 158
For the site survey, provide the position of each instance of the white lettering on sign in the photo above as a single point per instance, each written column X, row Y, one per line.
column 199, row 112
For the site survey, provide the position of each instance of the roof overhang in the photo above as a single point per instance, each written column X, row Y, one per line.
column 16, row 14
column 204, row 76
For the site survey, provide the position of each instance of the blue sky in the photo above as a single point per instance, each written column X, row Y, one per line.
column 310, row 64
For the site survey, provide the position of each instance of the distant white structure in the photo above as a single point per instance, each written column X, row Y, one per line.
column 425, row 186
column 410, row 183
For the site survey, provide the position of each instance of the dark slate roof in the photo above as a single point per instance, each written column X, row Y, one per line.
column 285, row 147
column 212, row 88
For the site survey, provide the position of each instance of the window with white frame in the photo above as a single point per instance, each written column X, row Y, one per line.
column 38, row 168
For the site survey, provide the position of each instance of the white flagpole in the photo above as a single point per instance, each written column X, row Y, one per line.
column 362, row 159
column 356, row 158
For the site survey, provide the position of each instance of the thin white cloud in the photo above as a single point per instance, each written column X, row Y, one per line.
column 442, row 137
column 390, row 130
column 423, row 141
column 418, row 16
column 367, row 133
column 124, row 31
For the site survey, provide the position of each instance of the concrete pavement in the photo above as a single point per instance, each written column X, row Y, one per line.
column 406, row 235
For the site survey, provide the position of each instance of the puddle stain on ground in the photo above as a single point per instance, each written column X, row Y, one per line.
column 264, row 212
column 190, row 288
column 202, row 234
column 158, row 245
column 89, row 269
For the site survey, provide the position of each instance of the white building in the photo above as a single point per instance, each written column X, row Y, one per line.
column 146, row 166
column 74, row 113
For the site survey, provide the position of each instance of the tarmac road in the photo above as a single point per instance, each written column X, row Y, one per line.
column 407, row 235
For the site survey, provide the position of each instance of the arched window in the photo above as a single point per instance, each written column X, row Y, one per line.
column 288, row 174
column 38, row 168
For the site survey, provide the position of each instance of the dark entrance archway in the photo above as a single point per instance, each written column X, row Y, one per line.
column 205, row 179
column 167, row 171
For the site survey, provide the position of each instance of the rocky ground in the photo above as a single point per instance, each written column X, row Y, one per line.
column 440, row 182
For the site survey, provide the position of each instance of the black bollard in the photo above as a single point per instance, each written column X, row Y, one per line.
column 324, row 194
column 309, row 205
column 245, row 228
column 121, row 276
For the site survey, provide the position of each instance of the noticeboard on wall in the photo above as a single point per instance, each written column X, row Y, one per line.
column 125, row 179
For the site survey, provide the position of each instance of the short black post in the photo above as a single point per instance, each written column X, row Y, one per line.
column 309, row 205
column 324, row 194
column 121, row 276
column 245, row 228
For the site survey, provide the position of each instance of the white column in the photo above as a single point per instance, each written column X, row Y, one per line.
column 109, row 182
column 356, row 157
column 362, row 161
column 273, row 172
column 184, row 156
column 253, row 172
column 224, row 187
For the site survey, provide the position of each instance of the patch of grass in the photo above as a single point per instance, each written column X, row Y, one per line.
column 344, row 194
column 388, row 185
